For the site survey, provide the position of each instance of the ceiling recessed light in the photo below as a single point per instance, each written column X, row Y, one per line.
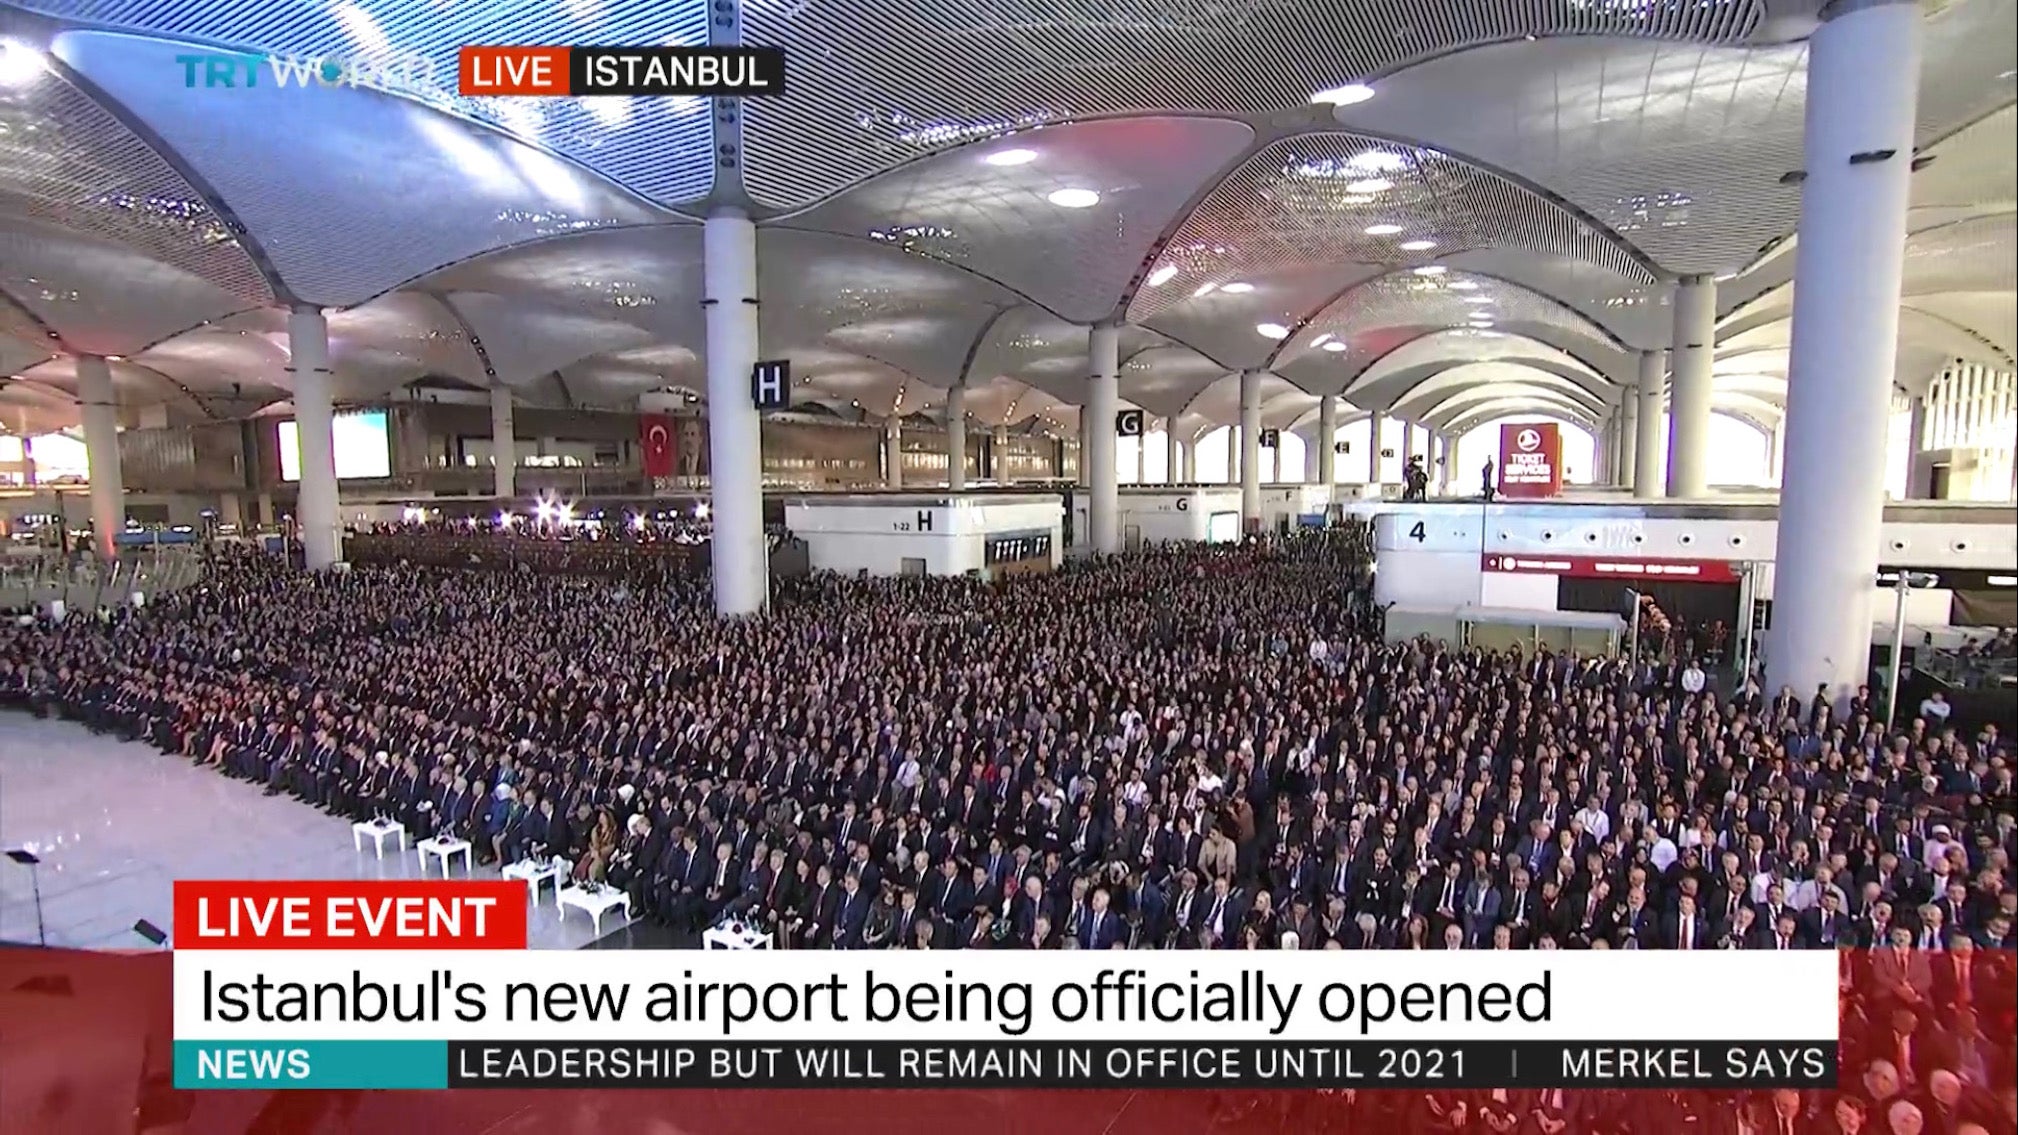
column 1162, row 276
column 1476, row 299
column 1204, row 290
column 1378, row 161
column 1382, row 230
column 1369, row 185
column 20, row 64
column 1335, row 346
column 1462, row 285
column 1011, row 157
column 1352, row 94
column 1481, row 323
column 1431, row 270
column 1417, row 245
column 1272, row 330
column 1321, row 340
column 1074, row 198
column 1236, row 288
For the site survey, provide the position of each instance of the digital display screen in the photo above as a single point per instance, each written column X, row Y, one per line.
column 360, row 442
column 1017, row 548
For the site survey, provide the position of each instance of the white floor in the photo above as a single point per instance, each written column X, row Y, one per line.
column 116, row 823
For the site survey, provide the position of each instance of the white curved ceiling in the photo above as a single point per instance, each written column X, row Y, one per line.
column 1498, row 222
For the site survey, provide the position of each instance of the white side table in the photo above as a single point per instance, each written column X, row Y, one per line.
column 537, row 871
column 444, row 848
column 379, row 831
column 594, row 903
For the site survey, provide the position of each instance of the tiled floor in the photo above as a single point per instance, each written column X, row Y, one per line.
column 115, row 823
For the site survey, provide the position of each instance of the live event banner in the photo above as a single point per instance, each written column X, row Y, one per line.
column 428, row 985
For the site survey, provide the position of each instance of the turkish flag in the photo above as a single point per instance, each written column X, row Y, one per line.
column 655, row 433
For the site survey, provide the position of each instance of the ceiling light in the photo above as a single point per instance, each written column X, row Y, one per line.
column 1335, row 346
column 1481, row 323
column 1352, row 94
column 1431, row 270
column 1074, row 198
column 1382, row 230
column 1236, row 288
column 1475, row 299
column 1272, row 330
column 1417, row 245
column 20, row 64
column 1204, row 290
column 1162, row 276
column 1463, row 286
column 1011, row 157
column 1321, row 340
column 1378, row 161
column 1369, row 185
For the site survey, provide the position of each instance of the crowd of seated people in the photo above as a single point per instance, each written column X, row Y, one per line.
column 644, row 547
column 1187, row 748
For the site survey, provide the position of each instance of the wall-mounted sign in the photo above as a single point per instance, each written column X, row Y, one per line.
column 1613, row 567
column 1128, row 423
column 1530, row 460
column 1017, row 548
column 1270, row 439
column 771, row 384
column 1341, row 447
column 1387, row 451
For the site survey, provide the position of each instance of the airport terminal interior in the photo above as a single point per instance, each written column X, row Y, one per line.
column 1083, row 474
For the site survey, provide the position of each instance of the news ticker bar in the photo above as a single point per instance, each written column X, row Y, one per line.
column 423, row 1064
column 589, row 72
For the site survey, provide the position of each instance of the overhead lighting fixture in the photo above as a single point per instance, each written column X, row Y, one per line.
column 1321, row 340
column 1378, row 161
column 1272, row 330
column 1011, row 157
column 1351, row 94
column 1369, row 185
column 1162, row 276
column 1382, row 230
column 1417, row 245
column 1431, row 270
column 20, row 64
column 1335, row 346
column 1204, row 290
column 1463, row 286
column 1236, row 288
column 1074, row 198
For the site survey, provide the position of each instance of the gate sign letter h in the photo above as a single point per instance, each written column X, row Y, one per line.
column 771, row 384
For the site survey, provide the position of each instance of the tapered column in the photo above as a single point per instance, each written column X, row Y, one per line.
column 1689, row 393
column 503, row 444
column 1310, row 459
column 956, row 439
column 1327, row 440
column 101, row 453
column 1173, row 453
column 1919, row 484
column 1629, row 441
column 1375, row 426
column 1650, row 463
column 998, row 456
column 1407, row 441
column 314, row 421
column 1863, row 83
column 1103, row 401
column 893, row 451
column 1142, row 456
column 1250, row 447
column 735, row 433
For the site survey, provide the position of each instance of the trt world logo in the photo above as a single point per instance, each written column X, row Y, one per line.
column 403, row 72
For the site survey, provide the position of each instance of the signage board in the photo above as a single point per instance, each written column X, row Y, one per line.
column 1613, row 567
column 1530, row 460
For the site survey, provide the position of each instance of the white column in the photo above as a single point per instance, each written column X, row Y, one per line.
column 1173, row 453
column 1103, row 401
column 1142, row 454
column 315, row 509
column 28, row 458
column 735, row 433
column 1776, row 451
column 503, row 444
column 1863, row 83
column 100, row 407
column 1917, row 479
column 1327, row 440
column 956, row 439
column 893, row 451
column 1407, row 441
column 998, row 456
column 1649, row 452
column 1249, row 437
column 1374, row 424
column 1629, row 428
column 1310, row 459
column 1689, row 394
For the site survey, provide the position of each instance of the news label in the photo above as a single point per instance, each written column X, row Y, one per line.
column 590, row 72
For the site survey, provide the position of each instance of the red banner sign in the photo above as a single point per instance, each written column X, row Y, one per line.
column 1530, row 459
column 1615, row 567
column 655, row 435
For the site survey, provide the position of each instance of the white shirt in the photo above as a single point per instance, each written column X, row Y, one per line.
column 1935, row 711
column 1596, row 823
column 1692, row 680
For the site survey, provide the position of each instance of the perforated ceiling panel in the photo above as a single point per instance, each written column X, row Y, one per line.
column 1976, row 168
column 616, row 380
column 1164, row 380
column 649, row 277
column 1066, row 222
column 102, row 298
column 1036, row 348
column 1348, row 198
column 1236, row 322
column 1478, row 381
column 1394, row 373
column 877, row 82
column 1677, row 147
column 525, row 340
column 1636, row 313
column 391, row 341
column 293, row 164
column 1384, row 314
column 65, row 161
column 1978, row 255
column 662, row 148
column 224, row 363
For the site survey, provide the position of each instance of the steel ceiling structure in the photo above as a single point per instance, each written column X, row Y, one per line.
column 1498, row 224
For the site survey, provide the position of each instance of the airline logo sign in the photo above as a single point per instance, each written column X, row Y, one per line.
column 1604, row 567
column 1531, row 460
